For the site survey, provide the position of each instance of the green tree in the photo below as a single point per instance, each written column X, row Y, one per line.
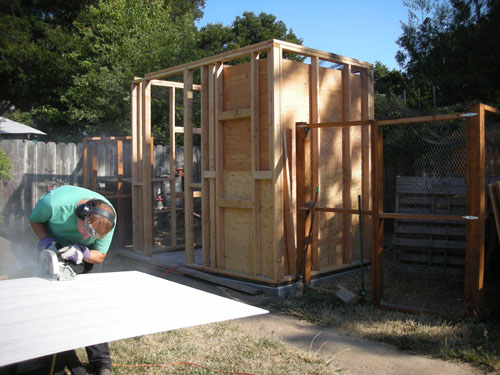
column 245, row 30
column 5, row 171
column 34, row 35
column 5, row 167
column 117, row 40
column 452, row 46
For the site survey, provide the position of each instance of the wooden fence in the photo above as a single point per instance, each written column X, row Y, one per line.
column 39, row 167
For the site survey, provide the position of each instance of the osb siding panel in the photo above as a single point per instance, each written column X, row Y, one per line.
column 238, row 240
column 294, row 93
column 295, row 105
column 356, row 86
column 356, row 97
column 330, row 94
column 266, row 228
column 237, row 145
column 238, row 185
column 236, row 86
column 355, row 186
column 238, row 179
column 263, row 117
column 294, row 108
column 330, row 235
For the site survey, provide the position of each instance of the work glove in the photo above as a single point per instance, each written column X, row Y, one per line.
column 74, row 253
column 47, row 243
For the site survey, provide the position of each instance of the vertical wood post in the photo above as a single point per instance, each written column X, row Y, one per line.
column 137, row 181
column 304, row 195
column 346, row 165
column 119, row 190
column 205, row 207
column 377, row 223
column 93, row 169
column 314, row 118
column 276, row 154
column 366, row 82
column 188, row 165
column 85, row 161
column 475, row 192
column 147, row 169
column 219, row 164
column 288, row 207
column 254, row 129
column 172, row 178
column 212, row 122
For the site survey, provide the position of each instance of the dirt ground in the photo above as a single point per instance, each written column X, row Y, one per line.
column 351, row 355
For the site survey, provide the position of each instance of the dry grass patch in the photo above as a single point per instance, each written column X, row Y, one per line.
column 220, row 346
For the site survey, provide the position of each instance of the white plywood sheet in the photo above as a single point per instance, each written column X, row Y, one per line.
column 40, row 317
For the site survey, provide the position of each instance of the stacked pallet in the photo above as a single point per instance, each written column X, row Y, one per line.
column 435, row 247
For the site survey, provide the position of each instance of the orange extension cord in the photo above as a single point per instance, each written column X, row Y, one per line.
column 187, row 364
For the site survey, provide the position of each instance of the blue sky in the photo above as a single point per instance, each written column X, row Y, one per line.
column 365, row 29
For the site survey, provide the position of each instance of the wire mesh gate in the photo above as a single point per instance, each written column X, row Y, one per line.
column 429, row 218
column 429, row 209
column 425, row 214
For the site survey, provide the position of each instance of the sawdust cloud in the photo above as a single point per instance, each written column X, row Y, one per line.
column 18, row 257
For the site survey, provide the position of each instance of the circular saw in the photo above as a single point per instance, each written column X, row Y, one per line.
column 52, row 268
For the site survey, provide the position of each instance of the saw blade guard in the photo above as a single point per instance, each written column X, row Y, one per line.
column 48, row 265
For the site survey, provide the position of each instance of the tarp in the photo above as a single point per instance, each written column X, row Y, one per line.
column 8, row 126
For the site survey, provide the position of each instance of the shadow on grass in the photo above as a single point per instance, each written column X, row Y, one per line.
column 476, row 342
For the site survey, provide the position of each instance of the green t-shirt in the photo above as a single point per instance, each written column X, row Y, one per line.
column 57, row 210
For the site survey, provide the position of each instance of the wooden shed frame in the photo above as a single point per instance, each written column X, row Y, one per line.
column 268, row 210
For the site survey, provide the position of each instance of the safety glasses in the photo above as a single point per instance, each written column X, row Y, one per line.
column 91, row 231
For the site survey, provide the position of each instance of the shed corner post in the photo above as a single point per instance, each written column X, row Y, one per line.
column 147, row 170
column 475, row 193
column 136, row 133
column 275, row 56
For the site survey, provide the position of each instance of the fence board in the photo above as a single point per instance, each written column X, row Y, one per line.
column 39, row 167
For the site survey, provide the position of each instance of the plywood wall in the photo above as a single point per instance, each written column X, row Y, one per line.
column 295, row 94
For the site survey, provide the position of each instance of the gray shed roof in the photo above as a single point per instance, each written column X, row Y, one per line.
column 12, row 127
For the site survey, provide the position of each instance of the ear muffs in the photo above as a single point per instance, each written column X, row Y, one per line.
column 86, row 209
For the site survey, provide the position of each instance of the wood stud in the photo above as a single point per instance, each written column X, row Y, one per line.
column 188, row 165
column 205, row 203
column 315, row 134
column 346, row 165
column 254, row 157
column 219, row 166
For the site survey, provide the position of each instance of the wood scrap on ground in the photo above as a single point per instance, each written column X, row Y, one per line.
column 345, row 295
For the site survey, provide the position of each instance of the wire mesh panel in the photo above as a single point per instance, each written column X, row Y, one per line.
column 492, row 171
column 425, row 188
